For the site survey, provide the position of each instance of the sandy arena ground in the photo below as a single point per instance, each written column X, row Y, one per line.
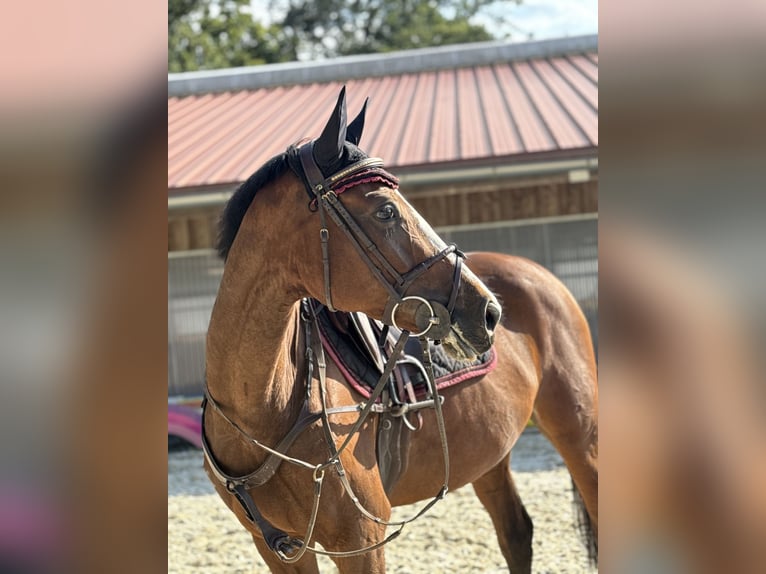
column 456, row 536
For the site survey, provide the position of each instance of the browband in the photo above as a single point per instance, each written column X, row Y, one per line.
column 318, row 183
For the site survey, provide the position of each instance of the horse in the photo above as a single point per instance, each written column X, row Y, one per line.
column 279, row 249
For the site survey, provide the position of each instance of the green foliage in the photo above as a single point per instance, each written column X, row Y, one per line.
column 340, row 27
column 426, row 26
column 207, row 34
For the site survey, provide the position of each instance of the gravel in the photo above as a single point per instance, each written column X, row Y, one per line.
column 457, row 534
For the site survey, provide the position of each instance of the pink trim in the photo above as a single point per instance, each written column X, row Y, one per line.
column 444, row 382
column 468, row 373
column 387, row 179
column 379, row 178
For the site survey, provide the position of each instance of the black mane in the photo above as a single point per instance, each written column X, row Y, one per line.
column 237, row 206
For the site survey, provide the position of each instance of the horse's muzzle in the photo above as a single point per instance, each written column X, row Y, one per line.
column 473, row 331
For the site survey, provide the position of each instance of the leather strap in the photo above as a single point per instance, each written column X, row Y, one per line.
column 324, row 238
column 274, row 537
column 459, row 256
column 272, row 463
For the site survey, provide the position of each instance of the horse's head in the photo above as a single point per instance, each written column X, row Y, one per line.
column 381, row 256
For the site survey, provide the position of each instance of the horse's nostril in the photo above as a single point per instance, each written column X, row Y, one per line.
column 492, row 316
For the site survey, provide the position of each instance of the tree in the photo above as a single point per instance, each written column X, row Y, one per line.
column 209, row 34
column 328, row 28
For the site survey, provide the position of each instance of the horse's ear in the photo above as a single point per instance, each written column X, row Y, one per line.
column 354, row 132
column 329, row 147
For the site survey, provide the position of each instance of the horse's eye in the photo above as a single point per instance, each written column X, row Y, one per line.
column 386, row 213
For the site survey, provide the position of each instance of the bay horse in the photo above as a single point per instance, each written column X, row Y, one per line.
column 378, row 256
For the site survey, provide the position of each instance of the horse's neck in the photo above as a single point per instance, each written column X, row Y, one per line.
column 251, row 352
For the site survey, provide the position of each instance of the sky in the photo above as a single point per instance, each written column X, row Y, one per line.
column 547, row 19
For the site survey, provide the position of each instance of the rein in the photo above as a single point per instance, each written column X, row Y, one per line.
column 434, row 320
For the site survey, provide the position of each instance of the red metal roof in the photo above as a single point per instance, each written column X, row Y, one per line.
column 454, row 115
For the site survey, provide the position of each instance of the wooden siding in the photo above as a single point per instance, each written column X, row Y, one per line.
column 443, row 205
column 505, row 201
column 192, row 230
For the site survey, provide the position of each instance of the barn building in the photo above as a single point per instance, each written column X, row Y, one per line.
column 496, row 144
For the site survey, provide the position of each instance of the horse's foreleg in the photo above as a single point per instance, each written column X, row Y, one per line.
column 373, row 562
column 365, row 533
column 498, row 494
column 306, row 565
column 355, row 533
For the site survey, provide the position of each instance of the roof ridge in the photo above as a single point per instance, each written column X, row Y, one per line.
column 374, row 65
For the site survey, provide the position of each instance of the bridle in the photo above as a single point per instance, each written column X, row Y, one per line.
column 433, row 318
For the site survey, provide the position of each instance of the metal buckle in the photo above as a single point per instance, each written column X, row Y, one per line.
column 285, row 545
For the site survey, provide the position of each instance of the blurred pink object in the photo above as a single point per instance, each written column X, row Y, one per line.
column 185, row 422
